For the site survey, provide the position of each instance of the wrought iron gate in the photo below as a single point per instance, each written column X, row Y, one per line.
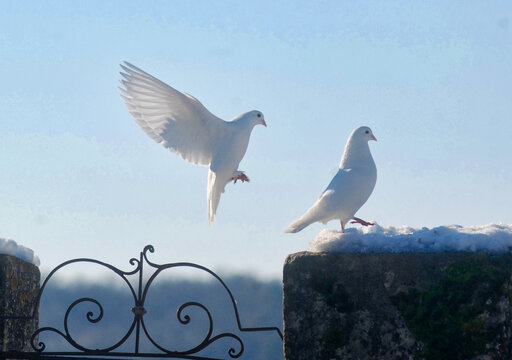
column 137, row 330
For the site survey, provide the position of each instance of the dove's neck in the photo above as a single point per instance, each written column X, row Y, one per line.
column 244, row 122
column 356, row 154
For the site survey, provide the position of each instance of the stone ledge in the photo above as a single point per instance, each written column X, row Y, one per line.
column 397, row 306
column 19, row 286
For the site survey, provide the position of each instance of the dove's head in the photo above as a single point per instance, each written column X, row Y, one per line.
column 363, row 133
column 254, row 118
column 356, row 149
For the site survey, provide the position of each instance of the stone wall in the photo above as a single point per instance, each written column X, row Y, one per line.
column 397, row 306
column 19, row 286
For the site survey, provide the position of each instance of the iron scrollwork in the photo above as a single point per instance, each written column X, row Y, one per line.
column 138, row 326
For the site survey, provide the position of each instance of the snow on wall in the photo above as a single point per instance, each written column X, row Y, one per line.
column 490, row 238
column 10, row 247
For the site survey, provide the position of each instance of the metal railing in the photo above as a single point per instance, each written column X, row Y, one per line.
column 137, row 326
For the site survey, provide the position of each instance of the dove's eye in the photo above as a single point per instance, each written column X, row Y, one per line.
column 367, row 131
column 259, row 115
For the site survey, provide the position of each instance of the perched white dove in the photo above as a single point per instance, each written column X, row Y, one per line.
column 182, row 124
column 349, row 189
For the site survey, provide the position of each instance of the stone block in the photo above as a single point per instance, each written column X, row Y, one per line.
column 397, row 306
column 19, row 286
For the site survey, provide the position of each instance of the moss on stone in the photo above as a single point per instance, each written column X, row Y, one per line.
column 335, row 337
column 448, row 318
column 334, row 293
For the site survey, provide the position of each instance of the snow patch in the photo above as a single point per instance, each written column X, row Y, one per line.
column 377, row 239
column 10, row 247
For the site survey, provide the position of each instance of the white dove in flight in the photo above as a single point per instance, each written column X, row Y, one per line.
column 349, row 189
column 181, row 123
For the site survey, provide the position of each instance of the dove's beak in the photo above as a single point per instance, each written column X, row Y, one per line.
column 264, row 123
column 374, row 138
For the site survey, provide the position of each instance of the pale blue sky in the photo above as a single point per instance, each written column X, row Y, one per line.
column 79, row 178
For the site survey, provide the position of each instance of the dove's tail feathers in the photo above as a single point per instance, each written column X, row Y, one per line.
column 311, row 216
column 215, row 189
column 298, row 225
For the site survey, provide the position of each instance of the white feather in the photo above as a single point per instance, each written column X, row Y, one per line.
column 216, row 186
column 178, row 121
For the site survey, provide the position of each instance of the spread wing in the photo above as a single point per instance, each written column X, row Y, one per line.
column 178, row 121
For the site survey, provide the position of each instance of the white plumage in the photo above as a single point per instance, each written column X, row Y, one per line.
column 181, row 123
column 349, row 189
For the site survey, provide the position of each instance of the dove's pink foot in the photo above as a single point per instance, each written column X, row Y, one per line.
column 240, row 176
column 342, row 227
column 361, row 221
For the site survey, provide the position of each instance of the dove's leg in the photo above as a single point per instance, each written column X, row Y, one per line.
column 239, row 175
column 342, row 227
column 361, row 221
